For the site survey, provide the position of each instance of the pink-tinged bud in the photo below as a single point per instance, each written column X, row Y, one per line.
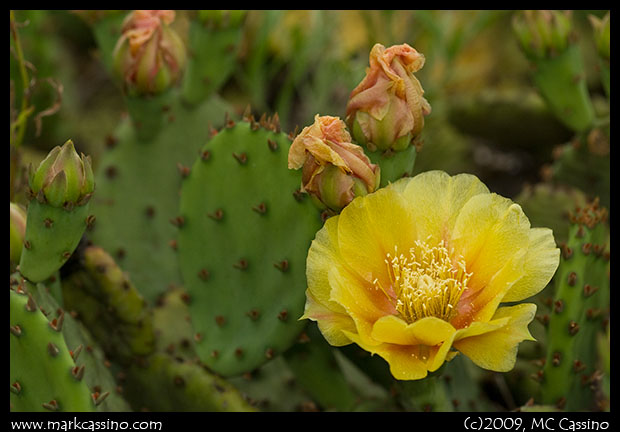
column 63, row 177
column 150, row 56
column 386, row 110
column 334, row 170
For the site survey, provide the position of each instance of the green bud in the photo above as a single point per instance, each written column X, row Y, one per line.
column 63, row 177
column 602, row 35
column 543, row 33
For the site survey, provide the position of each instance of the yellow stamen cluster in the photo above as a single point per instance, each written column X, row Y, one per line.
column 425, row 283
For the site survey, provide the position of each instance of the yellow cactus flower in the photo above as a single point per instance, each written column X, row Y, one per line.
column 416, row 272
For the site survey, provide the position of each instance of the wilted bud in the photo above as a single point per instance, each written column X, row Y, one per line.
column 150, row 56
column 334, row 170
column 386, row 110
column 18, row 230
column 63, row 177
column 543, row 33
column 602, row 35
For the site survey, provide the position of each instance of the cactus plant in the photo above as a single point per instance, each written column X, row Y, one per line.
column 246, row 286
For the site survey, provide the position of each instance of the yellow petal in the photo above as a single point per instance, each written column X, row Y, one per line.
column 435, row 199
column 405, row 362
column 428, row 331
column 541, row 262
column 372, row 226
column 330, row 323
column 497, row 349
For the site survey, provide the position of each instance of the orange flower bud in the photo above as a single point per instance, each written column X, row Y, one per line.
column 334, row 170
column 149, row 56
column 386, row 110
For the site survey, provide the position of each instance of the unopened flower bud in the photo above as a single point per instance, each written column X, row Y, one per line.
column 386, row 110
column 334, row 170
column 543, row 33
column 602, row 35
column 150, row 56
column 63, row 177
column 18, row 230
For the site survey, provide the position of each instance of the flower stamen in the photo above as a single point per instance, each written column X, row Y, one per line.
column 427, row 282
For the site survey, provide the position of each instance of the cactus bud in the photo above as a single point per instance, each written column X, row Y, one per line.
column 602, row 34
column 334, row 170
column 63, row 177
column 150, row 56
column 386, row 110
column 543, row 33
column 18, row 230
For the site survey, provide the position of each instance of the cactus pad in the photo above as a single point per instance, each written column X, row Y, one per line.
column 242, row 247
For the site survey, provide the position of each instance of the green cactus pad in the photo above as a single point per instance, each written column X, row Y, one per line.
column 138, row 192
column 581, row 302
column 242, row 247
column 52, row 234
column 43, row 374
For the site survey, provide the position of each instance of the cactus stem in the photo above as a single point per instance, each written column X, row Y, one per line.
column 52, row 349
column 51, row 405
column 16, row 330
column 217, row 215
column 260, row 208
column 242, row 158
column 203, row 274
column 16, row 387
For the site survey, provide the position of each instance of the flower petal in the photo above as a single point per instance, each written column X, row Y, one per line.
column 541, row 262
column 372, row 226
column 435, row 200
column 497, row 349
column 428, row 331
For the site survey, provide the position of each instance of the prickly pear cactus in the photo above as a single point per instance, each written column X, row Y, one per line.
column 242, row 259
column 43, row 374
column 580, row 305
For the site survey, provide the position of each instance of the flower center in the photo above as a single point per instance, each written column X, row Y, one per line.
column 425, row 282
